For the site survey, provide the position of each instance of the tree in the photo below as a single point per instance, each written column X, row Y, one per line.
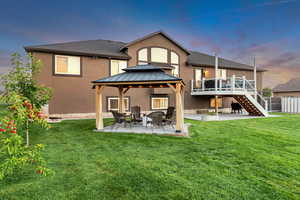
column 267, row 92
column 21, row 80
column 14, row 156
column 23, row 94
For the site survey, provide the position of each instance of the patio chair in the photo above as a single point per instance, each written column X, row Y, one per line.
column 136, row 114
column 120, row 118
column 156, row 118
column 169, row 117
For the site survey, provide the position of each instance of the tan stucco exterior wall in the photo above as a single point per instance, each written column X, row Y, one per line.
column 75, row 94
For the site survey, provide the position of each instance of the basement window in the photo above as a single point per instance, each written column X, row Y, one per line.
column 213, row 102
column 67, row 65
column 113, row 103
column 159, row 103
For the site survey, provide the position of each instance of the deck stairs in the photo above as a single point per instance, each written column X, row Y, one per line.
column 251, row 105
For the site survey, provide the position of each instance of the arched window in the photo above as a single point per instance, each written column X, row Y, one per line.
column 159, row 55
column 175, row 63
column 143, row 56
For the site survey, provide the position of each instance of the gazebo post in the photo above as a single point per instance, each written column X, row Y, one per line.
column 99, row 116
column 179, row 106
column 121, row 101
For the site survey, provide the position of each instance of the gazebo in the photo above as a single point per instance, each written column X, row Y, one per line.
column 140, row 76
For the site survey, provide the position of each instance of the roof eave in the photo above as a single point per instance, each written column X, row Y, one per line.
column 75, row 53
column 227, row 67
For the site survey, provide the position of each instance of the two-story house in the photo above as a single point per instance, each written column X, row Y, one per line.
column 70, row 67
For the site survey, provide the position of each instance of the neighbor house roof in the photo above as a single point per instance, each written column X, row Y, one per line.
column 115, row 49
column 202, row 59
column 101, row 48
column 139, row 73
column 292, row 85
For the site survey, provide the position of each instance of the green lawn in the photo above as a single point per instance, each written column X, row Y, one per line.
column 245, row 159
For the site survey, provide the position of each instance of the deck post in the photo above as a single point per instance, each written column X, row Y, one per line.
column 99, row 116
column 216, row 72
column 121, row 101
column 179, row 106
column 244, row 82
column 203, row 84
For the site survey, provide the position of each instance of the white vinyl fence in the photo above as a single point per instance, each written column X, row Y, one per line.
column 290, row 104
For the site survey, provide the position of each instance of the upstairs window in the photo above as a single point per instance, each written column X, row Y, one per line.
column 67, row 65
column 159, row 55
column 143, row 56
column 117, row 66
column 222, row 74
column 175, row 63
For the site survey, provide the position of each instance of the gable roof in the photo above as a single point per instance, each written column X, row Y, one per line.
column 205, row 60
column 139, row 73
column 153, row 34
column 101, row 48
column 292, row 85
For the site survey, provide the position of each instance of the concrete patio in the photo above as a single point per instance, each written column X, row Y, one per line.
column 223, row 117
column 140, row 129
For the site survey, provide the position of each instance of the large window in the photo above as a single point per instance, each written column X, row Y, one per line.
column 116, row 66
column 159, row 55
column 198, row 78
column 143, row 56
column 113, row 103
column 175, row 63
column 159, row 103
column 67, row 65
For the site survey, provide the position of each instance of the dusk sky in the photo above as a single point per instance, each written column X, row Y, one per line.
column 238, row 30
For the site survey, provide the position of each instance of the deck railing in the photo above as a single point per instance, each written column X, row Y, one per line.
column 233, row 84
column 229, row 84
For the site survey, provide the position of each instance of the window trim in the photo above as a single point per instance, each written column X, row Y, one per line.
column 159, row 96
column 67, row 75
column 117, row 97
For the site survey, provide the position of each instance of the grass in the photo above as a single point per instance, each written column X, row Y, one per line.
column 245, row 159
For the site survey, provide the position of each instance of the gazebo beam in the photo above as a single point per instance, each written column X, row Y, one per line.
column 99, row 116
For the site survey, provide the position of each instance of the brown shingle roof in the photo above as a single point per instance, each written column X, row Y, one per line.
column 292, row 85
column 114, row 49
column 101, row 48
column 202, row 59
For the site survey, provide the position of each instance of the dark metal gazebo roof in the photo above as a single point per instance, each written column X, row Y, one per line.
column 140, row 73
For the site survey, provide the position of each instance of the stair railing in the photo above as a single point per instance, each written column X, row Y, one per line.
column 259, row 98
